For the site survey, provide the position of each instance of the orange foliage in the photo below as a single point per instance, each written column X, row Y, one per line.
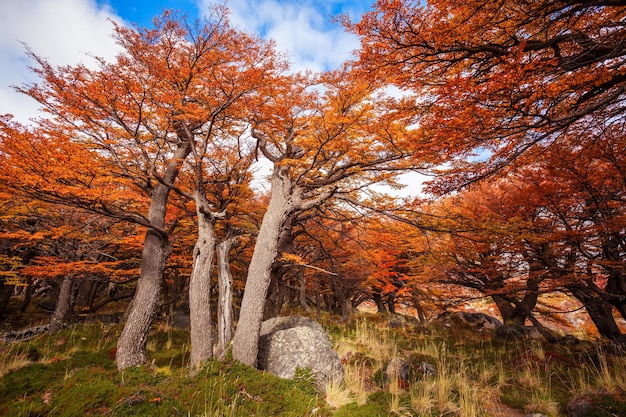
column 502, row 79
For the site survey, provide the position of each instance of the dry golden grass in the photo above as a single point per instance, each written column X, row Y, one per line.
column 355, row 380
column 11, row 362
column 337, row 394
column 611, row 376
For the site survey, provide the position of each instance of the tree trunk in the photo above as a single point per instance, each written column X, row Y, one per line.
column 6, row 291
column 418, row 307
column 28, row 292
column 131, row 346
column 346, row 308
column 246, row 339
column 83, row 296
column 302, row 292
column 63, row 306
column 318, row 301
column 391, row 302
column 600, row 312
column 507, row 311
column 225, row 295
column 200, row 286
column 378, row 299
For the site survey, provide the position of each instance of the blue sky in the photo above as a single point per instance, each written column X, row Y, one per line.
column 68, row 31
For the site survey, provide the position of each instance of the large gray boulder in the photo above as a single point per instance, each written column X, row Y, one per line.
column 289, row 343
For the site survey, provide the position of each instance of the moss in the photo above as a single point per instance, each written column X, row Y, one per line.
column 76, row 375
column 376, row 406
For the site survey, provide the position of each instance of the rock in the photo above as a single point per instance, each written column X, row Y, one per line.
column 599, row 404
column 397, row 369
column 290, row 343
column 569, row 340
column 426, row 369
column 33, row 355
column 582, row 408
column 478, row 321
column 25, row 334
column 515, row 332
column 400, row 321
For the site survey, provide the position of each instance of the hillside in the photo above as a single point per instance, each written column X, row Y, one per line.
column 452, row 371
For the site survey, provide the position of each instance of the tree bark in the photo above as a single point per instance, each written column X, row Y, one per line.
column 28, row 292
column 200, row 286
column 378, row 299
column 346, row 308
column 302, row 292
column 600, row 312
column 6, row 291
column 391, row 302
column 131, row 346
column 421, row 315
column 63, row 306
column 225, row 295
column 281, row 205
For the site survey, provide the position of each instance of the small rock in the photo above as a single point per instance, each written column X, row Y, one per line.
column 515, row 332
column 581, row 407
column 569, row 340
column 478, row 321
column 398, row 370
column 33, row 354
column 427, row 369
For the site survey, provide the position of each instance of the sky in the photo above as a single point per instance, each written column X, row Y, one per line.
column 68, row 32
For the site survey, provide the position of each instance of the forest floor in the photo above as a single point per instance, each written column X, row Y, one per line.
column 454, row 372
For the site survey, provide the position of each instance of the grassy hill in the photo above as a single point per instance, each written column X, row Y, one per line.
column 454, row 371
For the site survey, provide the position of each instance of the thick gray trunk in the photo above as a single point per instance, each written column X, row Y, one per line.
column 131, row 346
column 246, row 340
column 225, row 296
column 200, row 287
column 302, row 293
column 63, row 306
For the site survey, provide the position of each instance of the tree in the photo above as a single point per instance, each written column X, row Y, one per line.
column 321, row 146
column 543, row 229
column 506, row 86
column 221, row 186
column 135, row 122
column 44, row 243
column 500, row 80
column 495, row 246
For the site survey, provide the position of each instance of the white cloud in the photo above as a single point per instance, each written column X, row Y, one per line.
column 63, row 31
column 301, row 28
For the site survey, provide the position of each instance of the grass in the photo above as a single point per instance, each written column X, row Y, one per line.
column 73, row 374
column 474, row 376
column 78, row 377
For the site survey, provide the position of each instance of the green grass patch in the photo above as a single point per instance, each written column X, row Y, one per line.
column 73, row 373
